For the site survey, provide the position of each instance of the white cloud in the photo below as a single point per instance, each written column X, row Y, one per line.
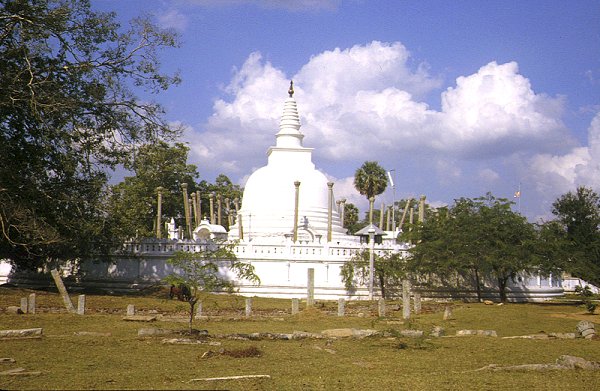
column 557, row 174
column 368, row 102
column 173, row 19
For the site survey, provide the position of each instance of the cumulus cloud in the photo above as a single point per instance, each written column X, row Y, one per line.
column 369, row 98
column 557, row 174
column 173, row 19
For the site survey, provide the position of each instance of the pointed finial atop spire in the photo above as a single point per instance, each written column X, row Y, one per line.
column 291, row 90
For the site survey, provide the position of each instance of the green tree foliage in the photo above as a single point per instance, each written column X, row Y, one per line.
column 478, row 238
column 205, row 271
column 370, row 180
column 351, row 222
column 133, row 202
column 67, row 112
column 389, row 270
column 579, row 215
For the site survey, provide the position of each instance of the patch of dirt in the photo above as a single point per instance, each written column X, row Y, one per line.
column 252, row 351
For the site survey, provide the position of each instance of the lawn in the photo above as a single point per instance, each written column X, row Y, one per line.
column 119, row 359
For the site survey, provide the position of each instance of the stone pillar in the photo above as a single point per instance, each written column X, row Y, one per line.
column 31, row 303
column 248, row 307
column 371, row 202
column 199, row 206
column 130, row 310
column 211, row 200
column 81, row 305
column 186, row 209
column 404, row 213
column 295, row 306
column 159, row 190
column 387, row 224
column 448, row 313
column 341, row 306
column 310, row 291
column 329, row 211
column 240, row 227
column 343, row 212
column 406, row 299
column 195, row 209
column 198, row 310
column 228, row 212
column 422, row 209
column 381, row 307
column 62, row 290
column 24, row 305
column 219, row 208
column 381, row 213
column 417, row 303
column 296, row 205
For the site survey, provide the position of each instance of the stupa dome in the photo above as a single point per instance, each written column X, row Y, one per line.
column 268, row 204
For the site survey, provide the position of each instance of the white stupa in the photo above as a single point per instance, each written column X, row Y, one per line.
column 268, row 205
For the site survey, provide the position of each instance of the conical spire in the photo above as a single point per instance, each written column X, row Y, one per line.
column 289, row 135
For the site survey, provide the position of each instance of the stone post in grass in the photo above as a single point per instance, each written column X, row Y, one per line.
column 341, row 306
column 81, row 305
column 406, row 299
column 310, row 298
column 295, row 306
column 31, row 303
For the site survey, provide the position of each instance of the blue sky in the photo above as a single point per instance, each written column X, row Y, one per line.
column 458, row 97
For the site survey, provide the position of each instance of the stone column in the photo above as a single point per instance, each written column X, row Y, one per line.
column 381, row 213
column 422, row 209
column 381, row 307
column 371, row 201
column 310, row 299
column 159, row 190
column 240, row 227
column 228, row 212
column 199, row 206
column 341, row 306
column 195, row 209
column 387, row 223
column 198, row 310
column 406, row 299
column 343, row 212
column 186, row 209
column 295, row 306
column 81, row 305
column 31, row 303
column 329, row 211
column 24, row 305
column 130, row 310
column 417, row 303
column 248, row 307
column 219, row 208
column 296, row 202
column 211, row 199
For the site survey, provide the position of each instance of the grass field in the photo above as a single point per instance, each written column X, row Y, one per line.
column 123, row 360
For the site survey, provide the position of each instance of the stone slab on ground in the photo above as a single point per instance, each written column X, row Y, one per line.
column 485, row 333
column 92, row 334
column 189, row 341
column 412, row 333
column 21, row 334
column 348, row 332
column 14, row 309
column 19, row 372
column 153, row 332
column 140, row 318
column 7, row 360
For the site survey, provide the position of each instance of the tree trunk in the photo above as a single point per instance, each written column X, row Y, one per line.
column 477, row 284
column 192, row 302
column 382, row 285
column 502, row 288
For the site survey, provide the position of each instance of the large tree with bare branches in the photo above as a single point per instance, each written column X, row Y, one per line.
column 68, row 112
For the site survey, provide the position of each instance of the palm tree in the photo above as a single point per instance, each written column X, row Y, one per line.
column 370, row 180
